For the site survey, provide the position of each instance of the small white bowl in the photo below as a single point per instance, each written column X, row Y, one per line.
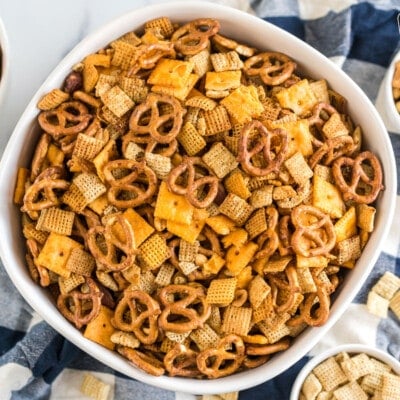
column 348, row 348
column 385, row 102
column 5, row 61
column 255, row 32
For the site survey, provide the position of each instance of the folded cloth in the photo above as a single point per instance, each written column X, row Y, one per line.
column 361, row 37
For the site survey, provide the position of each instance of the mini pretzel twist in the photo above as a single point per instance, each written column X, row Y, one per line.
column 181, row 361
column 317, row 119
column 106, row 245
column 360, row 186
column 187, row 297
column 149, row 54
column 266, row 143
column 273, row 67
column 314, row 232
column 268, row 241
column 69, row 118
column 147, row 118
column 151, row 145
column 129, row 190
column 194, row 183
column 78, row 307
column 138, row 312
column 143, row 361
column 193, row 37
column 224, row 359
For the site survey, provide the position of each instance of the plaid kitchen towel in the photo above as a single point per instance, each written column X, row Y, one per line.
column 360, row 36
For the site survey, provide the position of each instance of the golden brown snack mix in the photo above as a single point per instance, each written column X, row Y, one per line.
column 197, row 197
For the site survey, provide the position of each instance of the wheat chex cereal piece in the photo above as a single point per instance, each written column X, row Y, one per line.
column 187, row 267
column 257, row 223
column 70, row 283
column 229, row 61
column 221, row 291
column 163, row 24
column 323, row 172
column 236, row 208
column 90, row 186
column 372, row 383
column 243, row 104
column 394, row 304
column 134, row 87
column 30, row 232
column 105, row 83
column 350, row 391
column 298, row 168
column 262, row 197
column 52, row 99
column 216, row 120
column 177, row 337
column 190, row 139
column 74, row 198
column 125, row 339
column 334, row 127
column 377, row 304
column 277, row 265
column 202, row 102
column 117, row 101
column 220, row 160
column 188, row 251
column 56, row 220
column 258, row 291
column 349, row 249
column 95, row 388
column 147, row 282
column 387, row 285
column 236, row 183
column 390, row 386
column 263, row 312
column 87, row 147
column 80, row 262
column 125, row 54
column 357, row 366
column 134, row 152
column 306, row 281
column 107, row 280
column 205, row 337
column 165, row 274
column 154, row 251
column 171, row 73
column 283, row 192
column 237, row 320
column 160, row 164
column 202, row 62
column 366, row 217
column 311, row 387
column 330, row 374
column 271, row 109
column 299, row 97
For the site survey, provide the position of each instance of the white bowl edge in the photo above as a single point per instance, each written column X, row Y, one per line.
column 19, row 147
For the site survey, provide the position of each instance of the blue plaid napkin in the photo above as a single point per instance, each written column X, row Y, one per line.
column 361, row 36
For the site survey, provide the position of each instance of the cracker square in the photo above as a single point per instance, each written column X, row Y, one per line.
column 236, row 183
column 238, row 258
column 346, row 226
column 172, row 73
column 100, row 328
column 223, row 80
column 141, row 228
column 179, row 92
column 237, row 320
column 220, row 160
column 366, row 217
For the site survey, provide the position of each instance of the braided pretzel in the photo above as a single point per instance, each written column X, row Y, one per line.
column 163, row 127
column 332, row 149
column 314, row 232
column 74, row 304
column 351, row 189
column 224, row 359
column 138, row 312
column 181, row 361
column 268, row 241
column 266, row 144
column 273, row 67
column 193, row 185
column 190, row 318
column 130, row 185
column 69, row 118
column 143, row 361
column 105, row 243
column 193, row 37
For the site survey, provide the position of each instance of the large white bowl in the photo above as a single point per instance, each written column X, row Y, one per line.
column 258, row 33
column 5, row 61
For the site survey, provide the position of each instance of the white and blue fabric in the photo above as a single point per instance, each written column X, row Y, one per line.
column 37, row 363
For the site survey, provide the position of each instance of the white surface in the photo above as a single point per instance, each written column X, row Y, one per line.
column 32, row 60
column 5, row 61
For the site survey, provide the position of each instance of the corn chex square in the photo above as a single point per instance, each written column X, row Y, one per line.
column 221, row 291
column 90, row 186
column 220, row 160
column 237, row 320
column 87, row 147
column 80, row 262
column 205, row 337
column 298, row 168
column 154, row 251
column 216, row 120
column 56, row 220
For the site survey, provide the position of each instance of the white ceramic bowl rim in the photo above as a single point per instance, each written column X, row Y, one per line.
column 348, row 348
column 388, row 89
column 22, row 139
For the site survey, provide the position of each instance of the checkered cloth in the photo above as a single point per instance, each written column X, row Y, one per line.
column 361, row 36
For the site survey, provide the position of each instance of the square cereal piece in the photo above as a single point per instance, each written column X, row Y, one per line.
column 236, row 208
column 271, row 109
column 350, row 391
column 243, row 104
column 229, row 61
column 187, row 267
column 154, row 251
column 320, row 90
column 390, row 387
column 200, row 101
column 224, row 80
column 299, row 97
column 377, row 304
column 334, row 127
column 366, row 217
column 87, row 147
column 147, row 282
column 171, row 73
column 221, row 291
column 220, row 160
column 306, row 281
column 189, row 232
column 202, row 62
column 394, row 304
column 205, row 337
column 90, row 186
column 134, row 87
column 80, row 262
column 56, row 220
column 127, row 339
column 387, row 285
column 52, row 99
column 95, row 388
column 125, row 54
column 258, row 291
column 214, row 264
column 349, row 249
column 372, row 383
column 357, row 366
column 311, row 387
column 261, row 197
column 257, row 223
column 188, row 251
column 164, row 275
column 74, row 198
column 236, row 183
column 161, row 165
column 237, row 320
column 100, row 329
column 190, row 139
column 104, row 84
column 298, row 168
column 330, row 374
column 117, row 101
column 216, row 120
column 68, row 284
column 162, row 24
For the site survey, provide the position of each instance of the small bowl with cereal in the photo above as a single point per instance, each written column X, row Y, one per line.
column 187, row 203
column 349, row 371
